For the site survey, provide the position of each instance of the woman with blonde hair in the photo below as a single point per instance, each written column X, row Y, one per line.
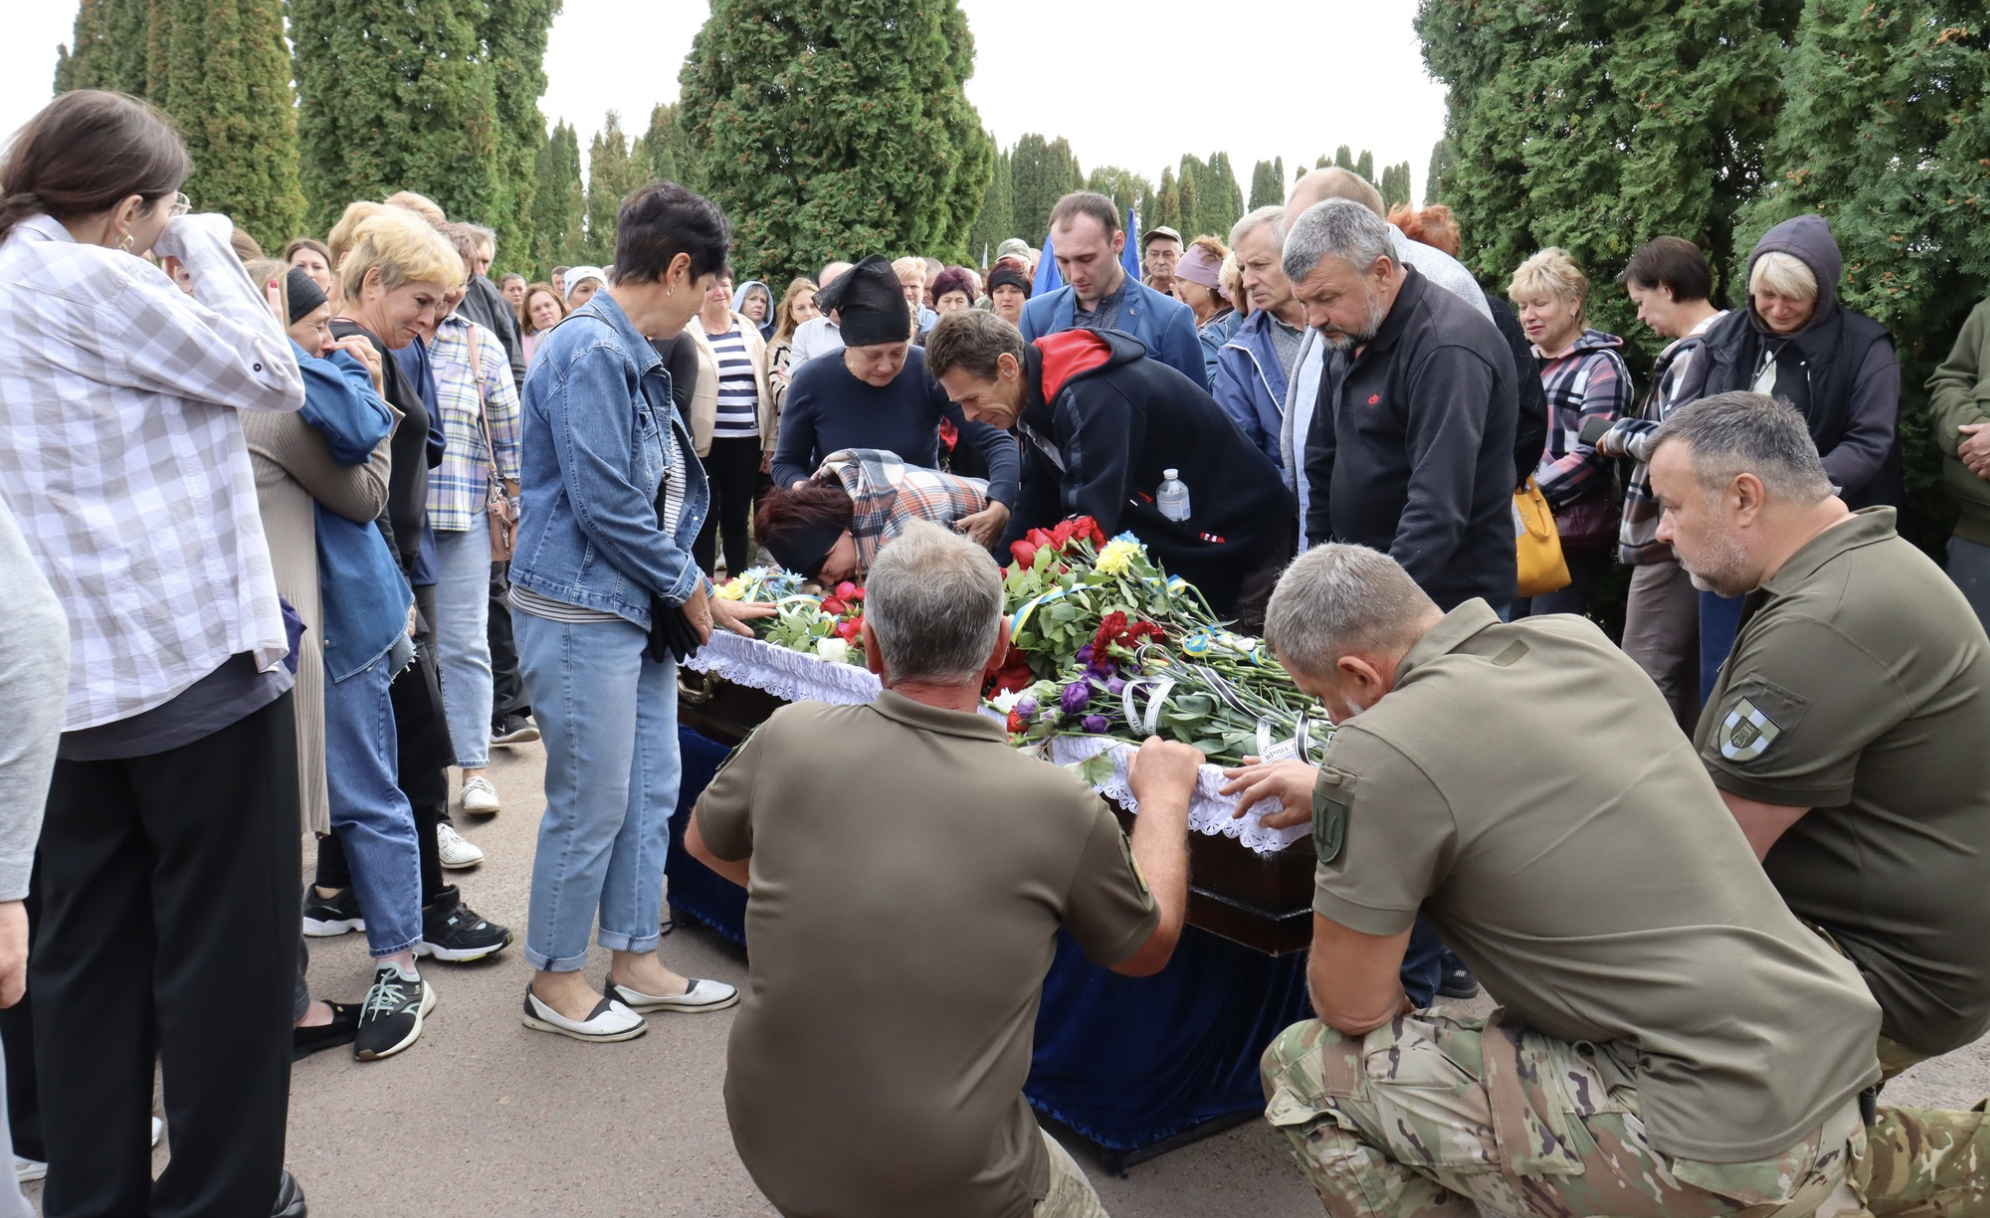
column 1585, row 379
column 797, row 306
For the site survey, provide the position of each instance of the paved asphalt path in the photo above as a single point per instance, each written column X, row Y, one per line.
column 483, row 1117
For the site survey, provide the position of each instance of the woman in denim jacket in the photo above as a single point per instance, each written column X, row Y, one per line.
column 612, row 497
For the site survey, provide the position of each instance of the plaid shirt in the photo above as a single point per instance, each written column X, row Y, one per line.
column 1587, row 381
column 457, row 487
column 886, row 494
column 1678, row 376
column 122, row 456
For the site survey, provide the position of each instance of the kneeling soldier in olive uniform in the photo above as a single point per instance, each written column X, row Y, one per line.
column 1848, row 729
column 1672, row 1041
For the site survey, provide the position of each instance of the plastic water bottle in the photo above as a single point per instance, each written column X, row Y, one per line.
column 1172, row 498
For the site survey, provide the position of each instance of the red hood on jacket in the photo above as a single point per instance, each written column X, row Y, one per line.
column 1070, row 354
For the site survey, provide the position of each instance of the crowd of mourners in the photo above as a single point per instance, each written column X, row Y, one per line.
column 290, row 539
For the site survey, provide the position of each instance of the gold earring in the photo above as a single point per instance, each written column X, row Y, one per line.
column 125, row 243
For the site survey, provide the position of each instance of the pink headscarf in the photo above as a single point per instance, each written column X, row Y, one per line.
column 1197, row 266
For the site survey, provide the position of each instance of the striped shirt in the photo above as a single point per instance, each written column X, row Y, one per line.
column 739, row 392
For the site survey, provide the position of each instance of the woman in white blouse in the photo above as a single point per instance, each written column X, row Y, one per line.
column 169, row 857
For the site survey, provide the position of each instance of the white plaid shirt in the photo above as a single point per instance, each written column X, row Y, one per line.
column 122, row 456
column 457, row 488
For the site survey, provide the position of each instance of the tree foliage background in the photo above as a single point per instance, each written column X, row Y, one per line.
column 837, row 130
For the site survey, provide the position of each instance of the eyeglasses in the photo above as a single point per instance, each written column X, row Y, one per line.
column 181, row 205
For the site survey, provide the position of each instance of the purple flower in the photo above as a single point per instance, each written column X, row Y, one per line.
column 1075, row 696
column 1102, row 669
column 1084, row 655
column 1095, row 724
column 1025, row 708
column 1115, row 686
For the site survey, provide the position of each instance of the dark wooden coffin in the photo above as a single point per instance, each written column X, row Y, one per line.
column 1264, row 902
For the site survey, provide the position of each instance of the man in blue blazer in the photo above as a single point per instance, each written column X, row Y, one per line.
column 1098, row 294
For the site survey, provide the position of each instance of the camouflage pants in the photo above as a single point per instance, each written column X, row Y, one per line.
column 1429, row 1115
column 1924, row 1164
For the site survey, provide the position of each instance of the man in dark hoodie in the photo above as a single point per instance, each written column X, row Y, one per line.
column 1102, row 425
column 1795, row 342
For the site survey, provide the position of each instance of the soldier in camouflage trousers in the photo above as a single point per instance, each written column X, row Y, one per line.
column 1432, row 1114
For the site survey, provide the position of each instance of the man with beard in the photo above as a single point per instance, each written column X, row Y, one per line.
column 1846, row 730
column 1414, row 455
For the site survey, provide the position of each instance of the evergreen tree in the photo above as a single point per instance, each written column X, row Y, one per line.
column 1884, row 132
column 108, row 48
column 1168, row 203
column 1043, row 172
column 559, row 208
column 1222, row 198
column 1123, row 186
column 1191, row 205
column 835, row 131
column 1344, row 157
column 612, row 172
column 1267, row 185
column 1150, row 207
column 995, row 222
column 1395, row 185
column 396, row 96
column 1441, row 161
column 665, row 151
column 226, row 84
column 514, row 43
column 1597, row 128
column 1364, row 165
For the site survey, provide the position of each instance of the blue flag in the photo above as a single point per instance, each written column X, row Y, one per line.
column 1047, row 277
column 1130, row 256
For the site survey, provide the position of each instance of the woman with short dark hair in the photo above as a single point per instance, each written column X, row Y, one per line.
column 613, row 497
column 831, row 528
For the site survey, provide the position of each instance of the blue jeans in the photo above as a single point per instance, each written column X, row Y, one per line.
column 1720, row 621
column 462, row 641
column 372, row 817
column 1969, row 567
column 608, row 717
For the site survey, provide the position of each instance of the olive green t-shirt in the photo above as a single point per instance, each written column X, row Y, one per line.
column 910, row 872
column 1859, row 687
column 1526, row 786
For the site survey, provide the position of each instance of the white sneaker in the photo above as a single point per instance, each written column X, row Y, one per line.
column 609, row 1021
column 480, row 798
column 453, row 851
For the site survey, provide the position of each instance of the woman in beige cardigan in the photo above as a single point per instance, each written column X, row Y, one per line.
column 733, row 425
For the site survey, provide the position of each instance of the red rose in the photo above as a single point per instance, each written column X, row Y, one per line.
column 849, row 628
column 1042, row 538
column 1024, row 552
column 847, row 590
column 834, row 607
column 1015, row 723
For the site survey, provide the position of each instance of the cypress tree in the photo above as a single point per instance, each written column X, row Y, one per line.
column 1885, row 132
column 612, row 172
column 1267, row 185
column 832, row 131
column 396, row 96
column 1597, row 128
column 108, row 49
column 1043, row 171
column 558, row 206
column 1364, row 165
column 1191, row 203
column 1150, row 207
column 995, row 221
column 1441, row 161
column 514, row 43
column 665, row 152
column 1168, row 203
column 226, row 83
column 1395, row 185
column 1344, row 157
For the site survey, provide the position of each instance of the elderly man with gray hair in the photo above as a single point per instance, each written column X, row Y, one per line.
column 907, row 875
column 1846, row 729
column 1603, row 894
column 1412, row 452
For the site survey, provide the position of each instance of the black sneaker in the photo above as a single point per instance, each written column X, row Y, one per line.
column 452, row 931
column 514, row 729
column 289, row 1198
column 1457, row 980
column 390, row 1018
column 333, row 915
column 340, row 1031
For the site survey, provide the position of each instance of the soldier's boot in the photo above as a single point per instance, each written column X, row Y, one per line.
column 1922, row 1163
column 1354, row 1179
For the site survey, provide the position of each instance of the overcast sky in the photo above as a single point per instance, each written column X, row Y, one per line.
column 1342, row 71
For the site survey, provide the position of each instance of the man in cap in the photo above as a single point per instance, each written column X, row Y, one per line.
column 1098, row 294
column 876, row 394
column 1160, row 250
column 1846, row 729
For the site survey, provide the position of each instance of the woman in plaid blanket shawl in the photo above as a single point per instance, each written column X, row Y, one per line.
column 831, row 528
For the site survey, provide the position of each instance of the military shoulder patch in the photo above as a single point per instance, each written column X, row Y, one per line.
column 1747, row 732
column 1329, row 825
